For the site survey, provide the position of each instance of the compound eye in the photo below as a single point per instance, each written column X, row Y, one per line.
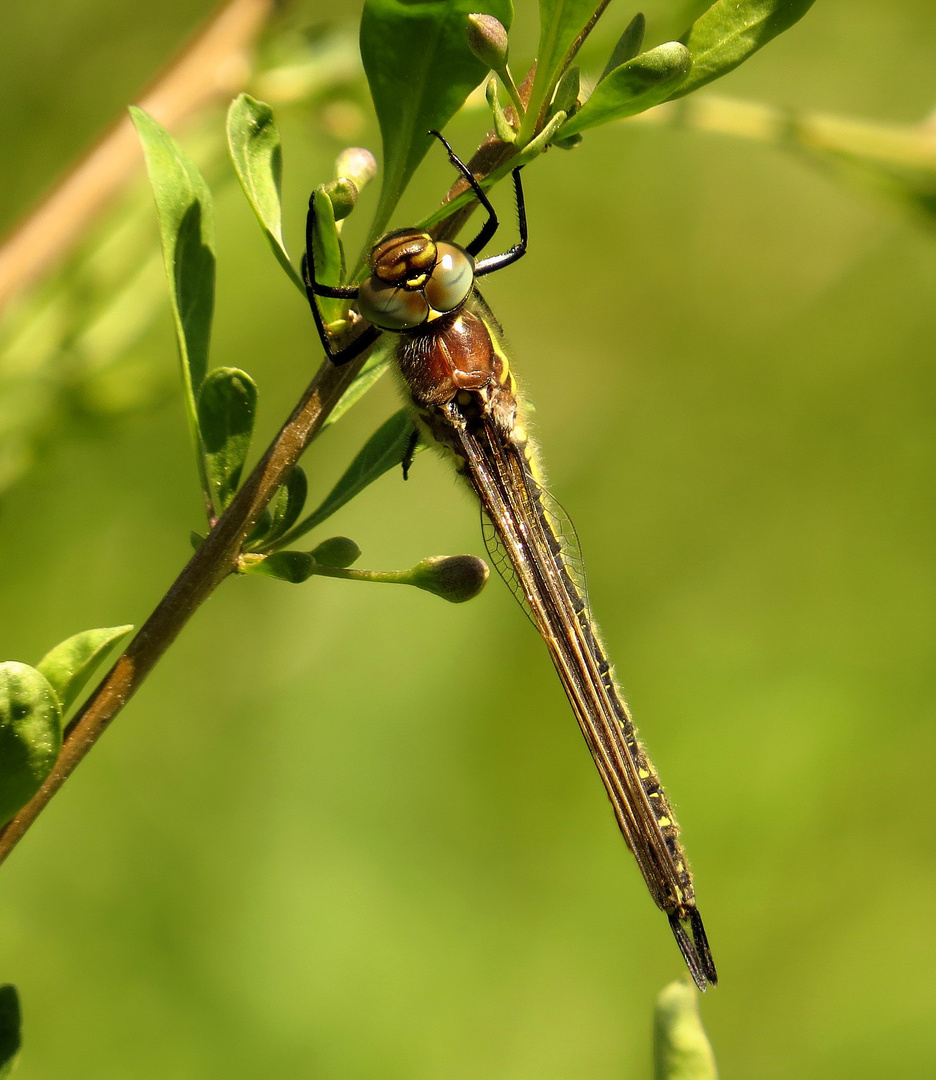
column 390, row 307
column 403, row 257
column 451, row 279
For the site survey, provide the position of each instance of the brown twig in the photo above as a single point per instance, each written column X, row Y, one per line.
column 214, row 560
column 490, row 155
column 208, row 567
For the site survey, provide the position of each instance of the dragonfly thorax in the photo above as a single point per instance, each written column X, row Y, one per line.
column 414, row 280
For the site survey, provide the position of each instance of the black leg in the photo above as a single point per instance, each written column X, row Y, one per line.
column 491, row 225
column 314, row 288
column 410, row 452
column 498, row 262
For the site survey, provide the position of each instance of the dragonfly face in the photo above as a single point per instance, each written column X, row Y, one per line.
column 464, row 398
column 414, row 280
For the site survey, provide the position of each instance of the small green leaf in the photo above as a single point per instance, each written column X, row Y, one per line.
column 10, row 1025
column 260, row 531
column 284, row 508
column 227, row 406
column 292, row 566
column 383, row 450
column 502, row 127
column 731, row 31
column 30, row 734
column 420, row 70
column 633, row 87
column 254, row 143
column 70, row 664
column 628, row 45
column 566, row 96
column 377, row 363
column 329, row 257
column 561, row 22
column 681, row 1050
column 336, row 551
column 186, row 225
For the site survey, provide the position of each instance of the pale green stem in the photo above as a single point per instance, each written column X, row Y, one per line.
column 513, row 93
column 907, row 146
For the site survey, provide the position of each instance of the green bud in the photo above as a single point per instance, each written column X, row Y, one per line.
column 455, row 578
column 681, row 1050
column 357, row 165
column 343, row 195
column 337, row 551
column 487, row 39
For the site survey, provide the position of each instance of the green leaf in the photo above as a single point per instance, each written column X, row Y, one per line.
column 73, row 661
column 420, row 71
column 292, row 566
column 628, row 45
column 633, row 87
column 377, row 363
column 384, row 450
column 186, row 225
column 567, row 92
column 502, row 127
column 329, row 257
column 561, row 22
column 681, row 1050
column 10, row 1025
column 254, row 143
column 731, row 31
column 227, row 406
column 30, row 734
column 284, row 508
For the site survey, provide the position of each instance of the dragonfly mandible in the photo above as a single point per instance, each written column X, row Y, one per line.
column 464, row 397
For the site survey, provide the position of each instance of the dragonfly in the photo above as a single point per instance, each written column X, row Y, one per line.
column 464, row 397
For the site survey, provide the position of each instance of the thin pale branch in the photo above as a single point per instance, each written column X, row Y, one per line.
column 215, row 65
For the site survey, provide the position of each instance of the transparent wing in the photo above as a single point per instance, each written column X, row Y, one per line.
column 561, row 536
column 502, row 563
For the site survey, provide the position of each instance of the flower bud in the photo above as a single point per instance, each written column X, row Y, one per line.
column 357, row 165
column 487, row 39
column 343, row 195
column 336, row 551
column 455, row 578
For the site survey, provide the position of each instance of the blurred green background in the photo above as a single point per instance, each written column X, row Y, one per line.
column 350, row 831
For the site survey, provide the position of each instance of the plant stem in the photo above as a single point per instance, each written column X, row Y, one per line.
column 512, row 92
column 210, row 68
column 907, row 147
column 208, row 567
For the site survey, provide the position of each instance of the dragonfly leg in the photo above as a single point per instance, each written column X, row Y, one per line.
column 315, row 289
column 410, row 452
column 492, row 224
column 498, row 262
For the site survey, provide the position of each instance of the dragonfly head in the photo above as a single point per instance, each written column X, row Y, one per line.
column 414, row 279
